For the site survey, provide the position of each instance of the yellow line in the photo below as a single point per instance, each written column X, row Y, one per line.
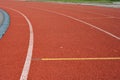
column 76, row 59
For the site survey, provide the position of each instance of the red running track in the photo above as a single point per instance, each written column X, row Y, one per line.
column 58, row 33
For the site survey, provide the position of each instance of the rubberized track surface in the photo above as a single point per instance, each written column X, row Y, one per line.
column 61, row 33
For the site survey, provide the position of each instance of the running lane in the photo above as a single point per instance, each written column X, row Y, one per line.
column 57, row 36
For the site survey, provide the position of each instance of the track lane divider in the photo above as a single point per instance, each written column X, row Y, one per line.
column 27, row 63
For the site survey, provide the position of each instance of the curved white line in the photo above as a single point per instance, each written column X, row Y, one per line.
column 110, row 34
column 73, row 18
column 26, row 67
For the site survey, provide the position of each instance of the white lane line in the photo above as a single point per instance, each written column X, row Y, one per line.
column 26, row 67
column 95, row 27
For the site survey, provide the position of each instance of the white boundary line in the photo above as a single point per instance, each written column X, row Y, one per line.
column 95, row 27
column 26, row 67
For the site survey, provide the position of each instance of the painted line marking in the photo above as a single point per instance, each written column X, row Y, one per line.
column 26, row 67
column 75, row 59
column 81, row 21
column 98, row 18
